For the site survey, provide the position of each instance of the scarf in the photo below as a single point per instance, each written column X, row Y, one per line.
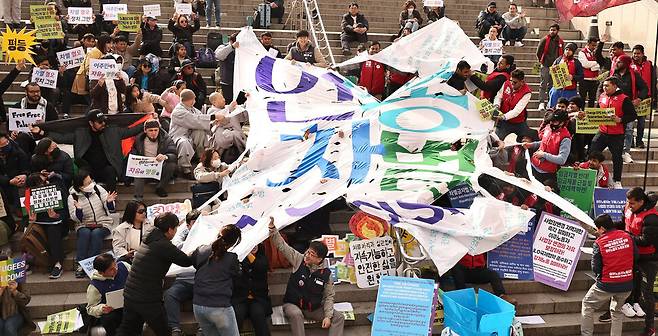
column 112, row 102
column 41, row 106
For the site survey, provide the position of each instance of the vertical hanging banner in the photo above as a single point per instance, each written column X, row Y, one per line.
column 556, row 250
column 513, row 259
column 373, row 259
column 80, row 15
column 129, row 22
column 71, row 58
column 404, row 306
column 577, row 186
column 45, row 77
column 611, row 202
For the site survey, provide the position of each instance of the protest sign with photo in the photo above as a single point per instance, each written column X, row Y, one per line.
column 180, row 209
column 513, row 259
column 577, row 186
column 152, row 10
column 373, row 259
column 461, row 196
column 44, row 198
column 45, row 77
column 611, row 202
column 71, row 58
column 49, row 29
column 80, row 15
column 560, row 76
column 410, row 300
column 111, row 11
column 556, row 250
column 643, row 108
column 129, row 22
column 584, row 127
column 102, row 67
column 485, row 108
column 13, row 269
column 600, row 116
column 144, row 167
column 21, row 119
column 492, row 47
column 41, row 13
column 184, row 8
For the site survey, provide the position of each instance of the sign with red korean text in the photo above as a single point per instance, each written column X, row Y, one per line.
column 71, row 58
column 556, row 250
column 144, row 167
column 45, row 77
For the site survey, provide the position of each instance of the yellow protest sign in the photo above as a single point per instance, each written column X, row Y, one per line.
column 600, row 116
column 17, row 45
column 41, row 13
column 536, row 68
column 485, row 108
column 49, row 29
column 129, row 22
column 643, row 108
column 560, row 76
column 602, row 76
column 583, row 127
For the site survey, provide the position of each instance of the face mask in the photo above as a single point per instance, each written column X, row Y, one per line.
column 89, row 188
column 555, row 127
column 216, row 163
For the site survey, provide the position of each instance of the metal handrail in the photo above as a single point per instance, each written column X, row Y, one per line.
column 322, row 42
column 407, row 258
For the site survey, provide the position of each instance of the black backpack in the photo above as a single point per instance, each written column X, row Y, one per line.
column 201, row 192
column 214, row 40
column 205, row 58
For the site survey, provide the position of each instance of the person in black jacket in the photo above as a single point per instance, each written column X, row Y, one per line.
column 14, row 167
column 54, row 163
column 489, row 18
column 6, row 83
column 195, row 82
column 151, row 37
column 250, row 292
column 155, row 142
column 355, row 27
column 33, row 101
column 143, row 291
column 183, row 32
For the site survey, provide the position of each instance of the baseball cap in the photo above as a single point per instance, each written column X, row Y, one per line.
column 96, row 115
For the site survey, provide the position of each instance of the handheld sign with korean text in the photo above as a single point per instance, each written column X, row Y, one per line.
column 81, row 15
column 143, row 167
column 111, row 11
column 71, row 58
column 45, row 77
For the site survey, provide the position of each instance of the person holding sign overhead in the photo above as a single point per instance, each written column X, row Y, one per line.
column 108, row 276
column 512, row 100
column 151, row 37
column 575, row 75
column 183, row 32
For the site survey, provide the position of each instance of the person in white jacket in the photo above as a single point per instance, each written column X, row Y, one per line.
column 108, row 276
column 587, row 57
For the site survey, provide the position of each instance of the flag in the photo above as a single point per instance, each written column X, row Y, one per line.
column 568, row 9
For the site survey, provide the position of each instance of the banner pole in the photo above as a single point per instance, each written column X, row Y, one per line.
column 646, row 158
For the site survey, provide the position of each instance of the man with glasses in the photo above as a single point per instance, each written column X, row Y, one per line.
column 512, row 101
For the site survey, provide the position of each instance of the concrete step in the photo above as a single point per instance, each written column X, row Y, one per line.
column 569, row 324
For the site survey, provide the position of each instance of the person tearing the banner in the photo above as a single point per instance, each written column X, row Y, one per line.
column 575, row 75
column 373, row 73
column 496, row 79
column 554, row 147
column 513, row 101
column 310, row 291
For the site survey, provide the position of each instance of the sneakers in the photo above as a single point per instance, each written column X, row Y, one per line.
column 542, row 106
column 638, row 310
column 605, row 317
column 617, row 185
column 347, row 52
column 161, row 192
column 650, row 332
column 627, row 158
column 207, row 26
column 640, row 144
column 627, row 310
column 518, row 44
column 177, row 332
column 56, row 272
column 80, row 273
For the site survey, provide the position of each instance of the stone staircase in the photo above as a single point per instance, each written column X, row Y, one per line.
column 560, row 310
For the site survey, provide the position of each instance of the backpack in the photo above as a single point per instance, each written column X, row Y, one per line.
column 34, row 242
column 202, row 192
column 214, row 40
column 205, row 58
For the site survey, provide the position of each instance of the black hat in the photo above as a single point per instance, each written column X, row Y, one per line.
column 560, row 115
column 152, row 18
column 571, row 46
column 151, row 123
column 186, row 62
column 96, row 115
column 492, row 4
column 530, row 133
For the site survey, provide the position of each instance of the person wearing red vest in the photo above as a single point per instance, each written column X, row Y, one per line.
column 554, row 147
column 612, row 136
column 473, row 269
column 641, row 219
column 550, row 47
column 612, row 263
column 595, row 162
column 396, row 79
column 575, row 75
column 648, row 74
column 373, row 73
column 591, row 68
column 512, row 100
column 616, row 50
column 496, row 79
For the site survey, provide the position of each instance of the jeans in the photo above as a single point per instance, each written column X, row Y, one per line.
column 628, row 136
column 614, row 142
column 514, row 35
column 179, row 292
column 555, row 94
column 347, row 38
column 135, row 314
column 545, row 84
column 587, row 90
column 505, row 128
column 640, row 131
column 216, row 321
column 10, row 326
column 89, row 242
column 296, row 318
column 594, row 298
column 257, row 312
column 413, row 25
column 209, row 6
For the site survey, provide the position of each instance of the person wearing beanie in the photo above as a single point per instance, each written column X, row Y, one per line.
column 576, row 75
column 155, row 142
column 489, row 18
column 193, row 81
column 553, row 148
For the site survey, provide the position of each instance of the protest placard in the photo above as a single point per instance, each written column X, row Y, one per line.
column 513, row 259
column 13, row 269
column 17, row 45
column 643, row 108
column 611, row 202
column 45, row 77
column 143, row 167
column 492, row 47
column 44, row 198
column 330, row 241
column 81, row 15
column 65, row 322
column 536, row 68
column 41, row 13
column 577, row 186
column 111, row 11
column 600, row 116
column 433, row 3
column 404, row 307
column 71, row 58
column 372, row 259
column 584, row 127
column 152, row 10
column 461, row 196
column 21, row 119
column 556, row 250
column 180, row 209
column 560, row 76
column 485, row 108
column 49, row 29
column 184, row 8
column 129, row 22
column 102, row 67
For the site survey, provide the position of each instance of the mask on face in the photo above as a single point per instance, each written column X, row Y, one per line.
column 555, row 127
column 216, row 163
column 89, row 188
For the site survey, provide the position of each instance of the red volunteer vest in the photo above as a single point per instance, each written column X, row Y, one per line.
column 644, row 70
column 571, row 64
column 490, row 95
column 511, row 98
column 590, row 57
column 616, row 248
column 634, row 224
column 550, row 143
column 560, row 47
column 601, row 175
column 400, row 78
column 476, row 261
column 615, row 101
column 373, row 77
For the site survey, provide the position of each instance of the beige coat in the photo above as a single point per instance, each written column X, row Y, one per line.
column 120, row 237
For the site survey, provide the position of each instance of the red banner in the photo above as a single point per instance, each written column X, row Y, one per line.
column 569, row 9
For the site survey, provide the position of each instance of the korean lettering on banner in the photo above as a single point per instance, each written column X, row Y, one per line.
column 45, row 77
column 184, row 9
column 144, row 167
column 102, row 67
column 21, row 119
column 331, row 241
column 179, row 209
column 71, row 58
column 577, row 186
column 611, row 202
column 129, row 22
column 61, row 323
column 560, row 76
column 492, row 47
column 485, row 108
column 12, row 270
column 152, row 10
column 44, row 198
column 600, row 116
column 461, row 196
column 584, row 127
column 644, row 108
column 81, row 15
column 404, row 306
column 49, row 29
column 372, row 259
column 513, row 259
column 556, row 250
column 111, row 11
column 41, row 13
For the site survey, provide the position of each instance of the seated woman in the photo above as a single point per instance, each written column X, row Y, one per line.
column 14, row 319
column 89, row 206
column 146, row 77
column 180, row 54
column 211, row 169
column 250, row 292
column 134, row 226
column 410, row 16
column 141, row 101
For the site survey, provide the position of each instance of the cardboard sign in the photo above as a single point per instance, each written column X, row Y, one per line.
column 373, row 259
column 180, row 209
column 404, row 307
column 184, row 9
column 600, row 116
column 643, row 108
column 492, row 47
column 584, row 127
column 611, row 202
column 111, row 11
column 71, row 58
column 129, row 22
column 45, row 77
column 44, row 198
column 144, row 167
column 536, row 68
column 556, row 250
column 41, row 13
column 560, row 75
column 21, row 119
column 152, row 10
column 100, row 67
column 81, row 15
column 513, row 259
column 461, row 196
column 12, row 270
column 577, row 186
column 485, row 108
column 49, row 29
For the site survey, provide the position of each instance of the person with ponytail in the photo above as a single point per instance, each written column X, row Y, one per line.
column 216, row 269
